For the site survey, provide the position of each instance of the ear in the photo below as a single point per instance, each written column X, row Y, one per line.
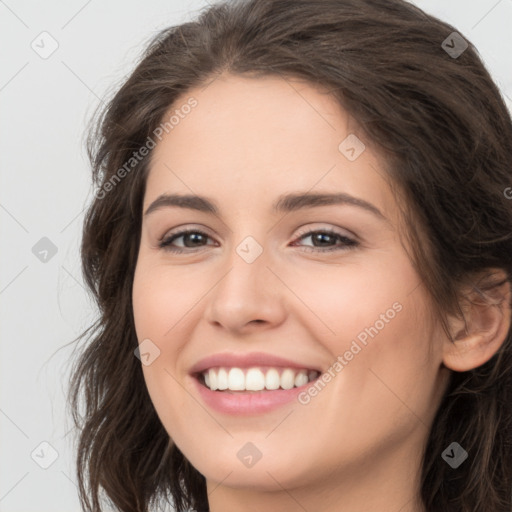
column 488, row 318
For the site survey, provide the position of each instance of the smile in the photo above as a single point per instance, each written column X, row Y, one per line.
column 256, row 378
column 244, row 384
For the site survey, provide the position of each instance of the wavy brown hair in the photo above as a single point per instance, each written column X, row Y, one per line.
column 446, row 135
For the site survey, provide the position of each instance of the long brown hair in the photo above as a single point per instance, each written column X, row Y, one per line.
column 447, row 136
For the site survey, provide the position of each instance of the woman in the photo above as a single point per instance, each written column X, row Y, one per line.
column 301, row 249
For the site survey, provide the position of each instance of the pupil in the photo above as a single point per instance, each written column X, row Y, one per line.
column 194, row 237
column 321, row 237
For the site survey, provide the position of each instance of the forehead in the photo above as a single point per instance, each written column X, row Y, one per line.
column 249, row 140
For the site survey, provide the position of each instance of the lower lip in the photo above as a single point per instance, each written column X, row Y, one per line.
column 245, row 404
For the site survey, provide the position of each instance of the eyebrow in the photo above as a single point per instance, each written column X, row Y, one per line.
column 285, row 203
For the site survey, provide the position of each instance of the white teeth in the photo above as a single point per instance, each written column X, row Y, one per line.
column 300, row 379
column 212, row 374
column 222, row 379
column 236, row 379
column 272, row 380
column 287, row 379
column 256, row 379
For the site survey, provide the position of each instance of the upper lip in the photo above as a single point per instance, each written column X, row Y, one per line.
column 247, row 360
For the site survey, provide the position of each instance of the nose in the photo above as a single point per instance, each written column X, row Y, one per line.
column 248, row 296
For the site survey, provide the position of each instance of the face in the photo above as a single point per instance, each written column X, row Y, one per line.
column 316, row 298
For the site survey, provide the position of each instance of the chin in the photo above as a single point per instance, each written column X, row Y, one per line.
column 265, row 475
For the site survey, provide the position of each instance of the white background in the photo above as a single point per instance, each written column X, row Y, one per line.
column 45, row 105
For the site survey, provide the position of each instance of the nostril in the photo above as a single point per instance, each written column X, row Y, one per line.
column 256, row 321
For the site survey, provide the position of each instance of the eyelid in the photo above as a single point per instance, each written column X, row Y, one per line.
column 319, row 226
column 185, row 227
column 348, row 241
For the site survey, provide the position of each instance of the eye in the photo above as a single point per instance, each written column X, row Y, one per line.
column 194, row 239
column 324, row 237
column 190, row 238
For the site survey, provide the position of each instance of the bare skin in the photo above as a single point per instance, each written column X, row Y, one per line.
column 357, row 445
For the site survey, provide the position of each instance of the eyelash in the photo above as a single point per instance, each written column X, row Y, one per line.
column 348, row 243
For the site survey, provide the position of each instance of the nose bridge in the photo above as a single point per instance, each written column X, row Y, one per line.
column 247, row 291
column 246, row 265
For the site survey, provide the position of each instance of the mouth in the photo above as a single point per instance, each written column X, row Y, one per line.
column 247, row 384
column 255, row 379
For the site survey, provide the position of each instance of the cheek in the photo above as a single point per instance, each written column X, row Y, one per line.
column 162, row 298
column 342, row 300
column 161, row 376
column 392, row 373
column 376, row 319
column 163, row 308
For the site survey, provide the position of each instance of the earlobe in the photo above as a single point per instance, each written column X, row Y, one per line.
column 488, row 322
